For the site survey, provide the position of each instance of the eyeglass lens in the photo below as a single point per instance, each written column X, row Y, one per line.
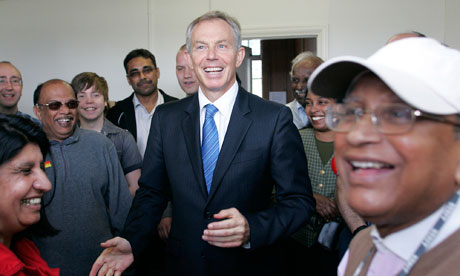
column 13, row 81
column 389, row 119
column 146, row 70
column 71, row 104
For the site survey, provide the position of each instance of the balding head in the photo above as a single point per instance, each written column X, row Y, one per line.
column 404, row 35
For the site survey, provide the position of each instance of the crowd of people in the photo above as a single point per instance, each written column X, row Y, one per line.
column 358, row 175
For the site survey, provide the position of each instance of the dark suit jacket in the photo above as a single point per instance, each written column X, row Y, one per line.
column 262, row 148
column 122, row 113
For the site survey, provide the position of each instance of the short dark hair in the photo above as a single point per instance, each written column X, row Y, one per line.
column 139, row 53
column 15, row 133
column 37, row 92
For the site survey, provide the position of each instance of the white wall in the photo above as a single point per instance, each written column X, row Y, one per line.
column 60, row 38
column 49, row 39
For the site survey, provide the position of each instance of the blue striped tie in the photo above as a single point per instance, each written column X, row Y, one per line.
column 210, row 145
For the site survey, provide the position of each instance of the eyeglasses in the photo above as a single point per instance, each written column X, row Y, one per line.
column 13, row 81
column 387, row 118
column 71, row 104
column 146, row 70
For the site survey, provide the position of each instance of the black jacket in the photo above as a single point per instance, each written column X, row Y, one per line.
column 122, row 113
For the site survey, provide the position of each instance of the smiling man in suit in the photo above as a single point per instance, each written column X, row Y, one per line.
column 217, row 155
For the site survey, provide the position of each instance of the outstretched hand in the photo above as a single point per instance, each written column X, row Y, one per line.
column 116, row 258
column 231, row 231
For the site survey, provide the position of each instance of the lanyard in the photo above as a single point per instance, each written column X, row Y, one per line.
column 426, row 242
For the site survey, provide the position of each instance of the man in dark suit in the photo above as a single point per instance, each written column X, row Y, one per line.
column 224, row 220
column 135, row 112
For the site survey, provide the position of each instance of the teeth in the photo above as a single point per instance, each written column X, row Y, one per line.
column 317, row 118
column 31, row 201
column 369, row 165
column 90, row 108
column 213, row 69
column 64, row 120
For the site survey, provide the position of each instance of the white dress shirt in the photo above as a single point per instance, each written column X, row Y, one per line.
column 143, row 120
column 299, row 116
column 222, row 117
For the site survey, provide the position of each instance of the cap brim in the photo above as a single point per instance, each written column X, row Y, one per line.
column 333, row 78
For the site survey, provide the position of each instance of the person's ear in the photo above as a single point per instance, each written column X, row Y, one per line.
column 240, row 56
column 37, row 112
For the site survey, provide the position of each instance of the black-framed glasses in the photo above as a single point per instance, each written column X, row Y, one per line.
column 386, row 118
column 71, row 104
column 145, row 70
column 14, row 81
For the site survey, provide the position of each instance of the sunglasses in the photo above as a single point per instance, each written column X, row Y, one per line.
column 71, row 104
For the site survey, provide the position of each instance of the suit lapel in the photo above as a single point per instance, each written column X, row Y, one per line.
column 236, row 131
column 191, row 131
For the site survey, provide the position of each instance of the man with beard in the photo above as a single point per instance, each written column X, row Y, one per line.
column 90, row 199
column 135, row 112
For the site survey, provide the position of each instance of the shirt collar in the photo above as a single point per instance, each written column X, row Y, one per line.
column 224, row 104
column 108, row 127
column 137, row 103
column 69, row 140
column 404, row 242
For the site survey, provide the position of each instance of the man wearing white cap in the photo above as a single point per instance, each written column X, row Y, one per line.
column 397, row 148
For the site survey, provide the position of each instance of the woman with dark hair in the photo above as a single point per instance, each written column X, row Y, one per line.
column 22, row 185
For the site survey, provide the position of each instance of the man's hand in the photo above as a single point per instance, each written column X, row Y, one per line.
column 116, row 258
column 326, row 207
column 231, row 231
column 164, row 227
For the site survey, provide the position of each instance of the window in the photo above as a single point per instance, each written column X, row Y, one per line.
column 256, row 65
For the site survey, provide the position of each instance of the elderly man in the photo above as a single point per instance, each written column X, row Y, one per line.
column 303, row 66
column 217, row 155
column 404, row 35
column 90, row 198
column 11, row 90
column 397, row 147
column 184, row 73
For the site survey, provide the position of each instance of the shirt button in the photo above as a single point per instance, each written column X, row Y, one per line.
column 320, row 185
column 322, row 172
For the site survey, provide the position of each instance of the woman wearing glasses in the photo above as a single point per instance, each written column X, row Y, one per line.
column 22, row 185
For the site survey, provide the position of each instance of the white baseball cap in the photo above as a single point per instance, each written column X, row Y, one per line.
column 421, row 71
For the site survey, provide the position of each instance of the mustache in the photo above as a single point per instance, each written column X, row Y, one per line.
column 142, row 82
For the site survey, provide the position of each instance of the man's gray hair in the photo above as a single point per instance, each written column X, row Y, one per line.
column 306, row 56
column 213, row 15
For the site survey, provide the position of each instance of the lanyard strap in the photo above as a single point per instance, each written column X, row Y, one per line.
column 432, row 234
column 426, row 242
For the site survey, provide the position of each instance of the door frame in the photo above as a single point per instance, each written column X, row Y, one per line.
column 320, row 32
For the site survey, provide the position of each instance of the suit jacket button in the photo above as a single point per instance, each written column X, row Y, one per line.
column 208, row 215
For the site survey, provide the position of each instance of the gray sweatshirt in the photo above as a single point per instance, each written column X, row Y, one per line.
column 89, row 201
